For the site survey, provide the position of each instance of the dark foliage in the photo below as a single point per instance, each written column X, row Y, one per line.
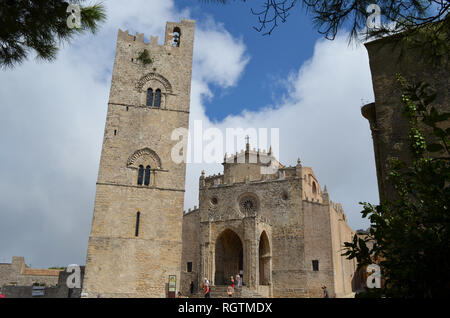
column 40, row 26
column 411, row 235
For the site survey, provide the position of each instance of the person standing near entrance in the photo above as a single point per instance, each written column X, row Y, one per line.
column 325, row 292
column 207, row 291
column 232, row 282
column 230, row 291
column 191, row 287
column 205, row 282
column 238, row 281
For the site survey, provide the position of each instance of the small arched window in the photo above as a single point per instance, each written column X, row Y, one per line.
column 150, row 97
column 176, row 35
column 158, row 98
column 147, row 176
column 140, row 175
column 314, row 188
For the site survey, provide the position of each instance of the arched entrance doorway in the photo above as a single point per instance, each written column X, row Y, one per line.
column 229, row 257
column 264, row 259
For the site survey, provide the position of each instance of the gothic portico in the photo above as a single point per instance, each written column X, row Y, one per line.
column 271, row 224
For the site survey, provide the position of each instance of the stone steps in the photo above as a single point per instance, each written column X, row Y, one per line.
column 221, row 292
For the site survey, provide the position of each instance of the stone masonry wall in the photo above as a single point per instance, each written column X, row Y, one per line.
column 120, row 263
column 17, row 273
column 59, row 290
column 191, row 251
column 389, row 128
column 301, row 224
column 318, row 246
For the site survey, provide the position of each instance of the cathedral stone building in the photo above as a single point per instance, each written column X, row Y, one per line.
column 272, row 224
column 135, row 240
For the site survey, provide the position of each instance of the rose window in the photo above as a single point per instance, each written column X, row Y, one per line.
column 248, row 204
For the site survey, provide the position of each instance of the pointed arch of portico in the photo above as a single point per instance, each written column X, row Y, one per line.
column 234, row 229
column 264, row 259
column 229, row 255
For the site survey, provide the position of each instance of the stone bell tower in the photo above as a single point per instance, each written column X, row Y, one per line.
column 135, row 241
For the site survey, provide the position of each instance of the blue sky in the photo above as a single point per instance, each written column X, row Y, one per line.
column 272, row 57
column 52, row 116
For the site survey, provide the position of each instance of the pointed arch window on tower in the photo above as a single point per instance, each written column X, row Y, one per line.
column 147, row 176
column 158, row 98
column 140, row 174
column 150, row 97
column 176, row 35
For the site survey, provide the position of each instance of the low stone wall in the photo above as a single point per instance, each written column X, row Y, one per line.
column 49, row 292
column 18, row 274
column 59, row 291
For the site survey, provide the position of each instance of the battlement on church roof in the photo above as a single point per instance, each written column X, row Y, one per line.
column 190, row 210
column 171, row 29
column 256, row 156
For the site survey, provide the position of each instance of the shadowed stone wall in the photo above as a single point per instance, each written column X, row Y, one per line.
column 389, row 128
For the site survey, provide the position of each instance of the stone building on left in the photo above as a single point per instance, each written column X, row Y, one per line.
column 17, row 280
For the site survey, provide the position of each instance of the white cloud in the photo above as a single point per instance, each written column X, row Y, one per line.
column 52, row 122
column 319, row 121
column 53, row 114
column 219, row 58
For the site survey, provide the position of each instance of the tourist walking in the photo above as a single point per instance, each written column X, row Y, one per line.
column 207, row 291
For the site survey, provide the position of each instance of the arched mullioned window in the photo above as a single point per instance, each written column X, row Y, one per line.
column 158, row 98
column 176, row 35
column 150, row 97
column 147, row 176
column 140, row 175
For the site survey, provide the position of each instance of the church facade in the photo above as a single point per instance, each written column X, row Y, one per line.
column 272, row 224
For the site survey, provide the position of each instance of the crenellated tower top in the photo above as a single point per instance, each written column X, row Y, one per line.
column 152, row 75
column 175, row 35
